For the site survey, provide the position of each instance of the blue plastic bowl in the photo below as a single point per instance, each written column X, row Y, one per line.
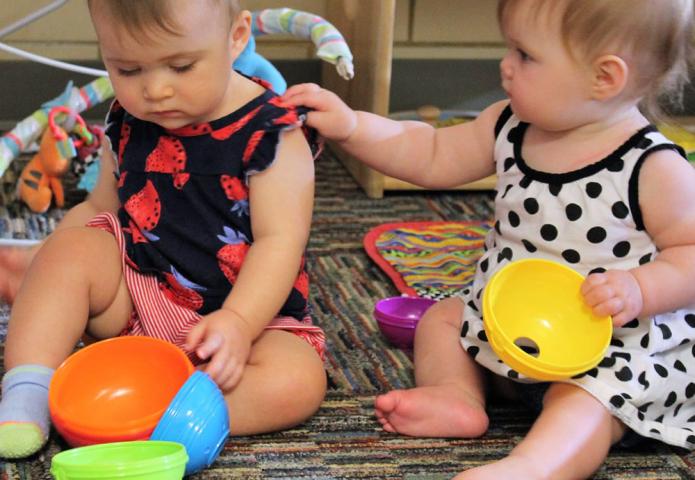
column 198, row 418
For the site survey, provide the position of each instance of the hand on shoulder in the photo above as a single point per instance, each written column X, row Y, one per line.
column 330, row 116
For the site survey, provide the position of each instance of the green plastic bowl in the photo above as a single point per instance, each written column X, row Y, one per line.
column 139, row 460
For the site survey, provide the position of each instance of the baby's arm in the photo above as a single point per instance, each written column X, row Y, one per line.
column 667, row 202
column 281, row 201
column 15, row 261
column 412, row 151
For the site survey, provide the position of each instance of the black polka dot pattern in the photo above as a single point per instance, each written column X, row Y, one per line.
column 573, row 212
column 531, row 206
column 587, row 219
column 549, row 232
column 593, row 189
column 620, row 210
column 596, row 234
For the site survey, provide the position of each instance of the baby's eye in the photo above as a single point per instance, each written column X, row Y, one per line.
column 128, row 72
column 525, row 57
column 182, row 68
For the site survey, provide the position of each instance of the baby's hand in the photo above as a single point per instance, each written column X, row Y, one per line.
column 615, row 293
column 223, row 337
column 13, row 264
column 331, row 117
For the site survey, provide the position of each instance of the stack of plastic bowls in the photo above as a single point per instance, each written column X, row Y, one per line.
column 198, row 418
column 127, row 461
column 116, row 390
column 397, row 318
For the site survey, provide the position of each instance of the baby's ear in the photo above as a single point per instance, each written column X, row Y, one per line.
column 241, row 32
column 610, row 75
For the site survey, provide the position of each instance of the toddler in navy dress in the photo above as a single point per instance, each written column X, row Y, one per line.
column 195, row 232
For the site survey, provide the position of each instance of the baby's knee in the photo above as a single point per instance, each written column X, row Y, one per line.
column 446, row 312
column 297, row 371
column 307, row 384
column 87, row 241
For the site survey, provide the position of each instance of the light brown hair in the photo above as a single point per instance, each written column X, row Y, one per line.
column 140, row 16
column 654, row 37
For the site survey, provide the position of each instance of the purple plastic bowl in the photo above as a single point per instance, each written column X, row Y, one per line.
column 397, row 318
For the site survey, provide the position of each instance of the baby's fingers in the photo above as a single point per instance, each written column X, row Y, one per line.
column 622, row 318
column 212, row 344
column 195, row 336
column 224, row 369
column 299, row 89
column 610, row 307
column 231, row 375
column 598, row 295
column 593, row 281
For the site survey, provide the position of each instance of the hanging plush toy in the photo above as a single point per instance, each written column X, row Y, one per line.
column 330, row 44
column 40, row 181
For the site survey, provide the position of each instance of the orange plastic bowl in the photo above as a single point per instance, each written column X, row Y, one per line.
column 116, row 390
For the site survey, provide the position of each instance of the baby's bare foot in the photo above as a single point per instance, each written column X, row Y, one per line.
column 432, row 411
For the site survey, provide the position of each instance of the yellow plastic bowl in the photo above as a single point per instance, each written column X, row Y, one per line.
column 537, row 322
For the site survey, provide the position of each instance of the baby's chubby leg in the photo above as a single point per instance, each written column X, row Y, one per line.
column 448, row 400
column 569, row 440
column 13, row 263
column 75, row 277
column 283, row 384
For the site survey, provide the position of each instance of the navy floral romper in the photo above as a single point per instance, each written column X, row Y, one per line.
column 184, row 198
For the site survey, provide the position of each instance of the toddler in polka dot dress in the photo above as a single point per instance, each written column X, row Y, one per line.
column 583, row 178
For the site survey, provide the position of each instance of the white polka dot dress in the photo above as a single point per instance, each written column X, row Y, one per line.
column 590, row 220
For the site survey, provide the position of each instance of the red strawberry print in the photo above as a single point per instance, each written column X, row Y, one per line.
column 134, row 231
column 231, row 256
column 177, row 293
column 144, row 208
column 180, row 179
column 121, row 179
column 254, row 140
column 302, row 284
column 192, row 130
column 233, row 188
column 169, row 156
column 123, row 141
column 278, row 102
column 263, row 83
column 226, row 132
column 289, row 118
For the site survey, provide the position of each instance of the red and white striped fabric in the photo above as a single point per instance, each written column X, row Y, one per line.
column 155, row 315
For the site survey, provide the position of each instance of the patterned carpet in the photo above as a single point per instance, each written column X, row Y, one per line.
column 343, row 440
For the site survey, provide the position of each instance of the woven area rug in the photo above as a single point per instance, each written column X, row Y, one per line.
column 427, row 259
column 343, row 440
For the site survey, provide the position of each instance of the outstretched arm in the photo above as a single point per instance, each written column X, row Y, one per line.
column 409, row 150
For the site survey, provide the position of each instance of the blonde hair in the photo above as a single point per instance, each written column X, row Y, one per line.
column 654, row 37
column 139, row 16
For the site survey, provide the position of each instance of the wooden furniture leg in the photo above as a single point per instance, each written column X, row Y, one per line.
column 368, row 28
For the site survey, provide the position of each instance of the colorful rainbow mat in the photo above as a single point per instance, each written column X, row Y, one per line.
column 428, row 259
